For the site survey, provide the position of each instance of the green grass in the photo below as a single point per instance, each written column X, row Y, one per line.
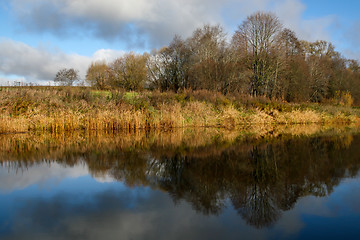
column 100, row 93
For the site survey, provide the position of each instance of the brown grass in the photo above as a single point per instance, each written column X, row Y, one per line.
column 71, row 109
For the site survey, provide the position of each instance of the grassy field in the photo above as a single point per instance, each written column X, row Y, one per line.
column 57, row 109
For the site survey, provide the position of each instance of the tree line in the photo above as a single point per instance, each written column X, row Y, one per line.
column 262, row 58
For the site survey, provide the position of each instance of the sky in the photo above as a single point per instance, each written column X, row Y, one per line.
column 40, row 37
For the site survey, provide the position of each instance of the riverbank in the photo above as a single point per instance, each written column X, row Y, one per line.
column 57, row 109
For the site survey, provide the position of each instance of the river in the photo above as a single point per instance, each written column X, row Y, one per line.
column 292, row 183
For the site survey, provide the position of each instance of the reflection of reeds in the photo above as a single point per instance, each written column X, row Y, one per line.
column 35, row 146
column 71, row 109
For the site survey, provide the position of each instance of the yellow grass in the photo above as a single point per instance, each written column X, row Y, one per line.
column 72, row 109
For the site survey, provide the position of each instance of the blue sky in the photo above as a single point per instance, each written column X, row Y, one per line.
column 38, row 37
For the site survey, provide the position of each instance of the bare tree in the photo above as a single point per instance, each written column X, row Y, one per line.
column 288, row 58
column 259, row 33
column 207, row 46
column 323, row 62
column 168, row 67
column 156, row 66
column 66, row 77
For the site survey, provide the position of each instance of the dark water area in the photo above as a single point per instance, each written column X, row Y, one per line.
column 183, row 184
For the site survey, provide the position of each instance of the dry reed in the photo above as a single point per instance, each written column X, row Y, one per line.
column 71, row 109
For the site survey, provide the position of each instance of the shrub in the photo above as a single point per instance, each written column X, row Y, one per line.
column 343, row 98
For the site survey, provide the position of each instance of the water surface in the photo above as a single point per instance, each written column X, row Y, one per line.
column 183, row 184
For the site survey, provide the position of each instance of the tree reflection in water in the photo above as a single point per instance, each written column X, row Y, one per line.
column 262, row 176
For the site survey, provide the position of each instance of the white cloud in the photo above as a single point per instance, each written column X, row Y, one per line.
column 107, row 55
column 290, row 12
column 154, row 23
column 136, row 22
column 39, row 65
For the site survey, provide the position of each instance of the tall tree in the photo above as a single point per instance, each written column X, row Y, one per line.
column 293, row 73
column 170, row 66
column 321, row 58
column 208, row 48
column 156, row 68
column 259, row 33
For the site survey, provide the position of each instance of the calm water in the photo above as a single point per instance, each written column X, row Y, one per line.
column 208, row 184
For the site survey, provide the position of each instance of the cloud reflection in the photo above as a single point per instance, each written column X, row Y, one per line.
column 41, row 174
column 113, row 215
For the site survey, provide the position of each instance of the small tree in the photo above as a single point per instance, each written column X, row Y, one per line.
column 343, row 98
column 66, row 77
